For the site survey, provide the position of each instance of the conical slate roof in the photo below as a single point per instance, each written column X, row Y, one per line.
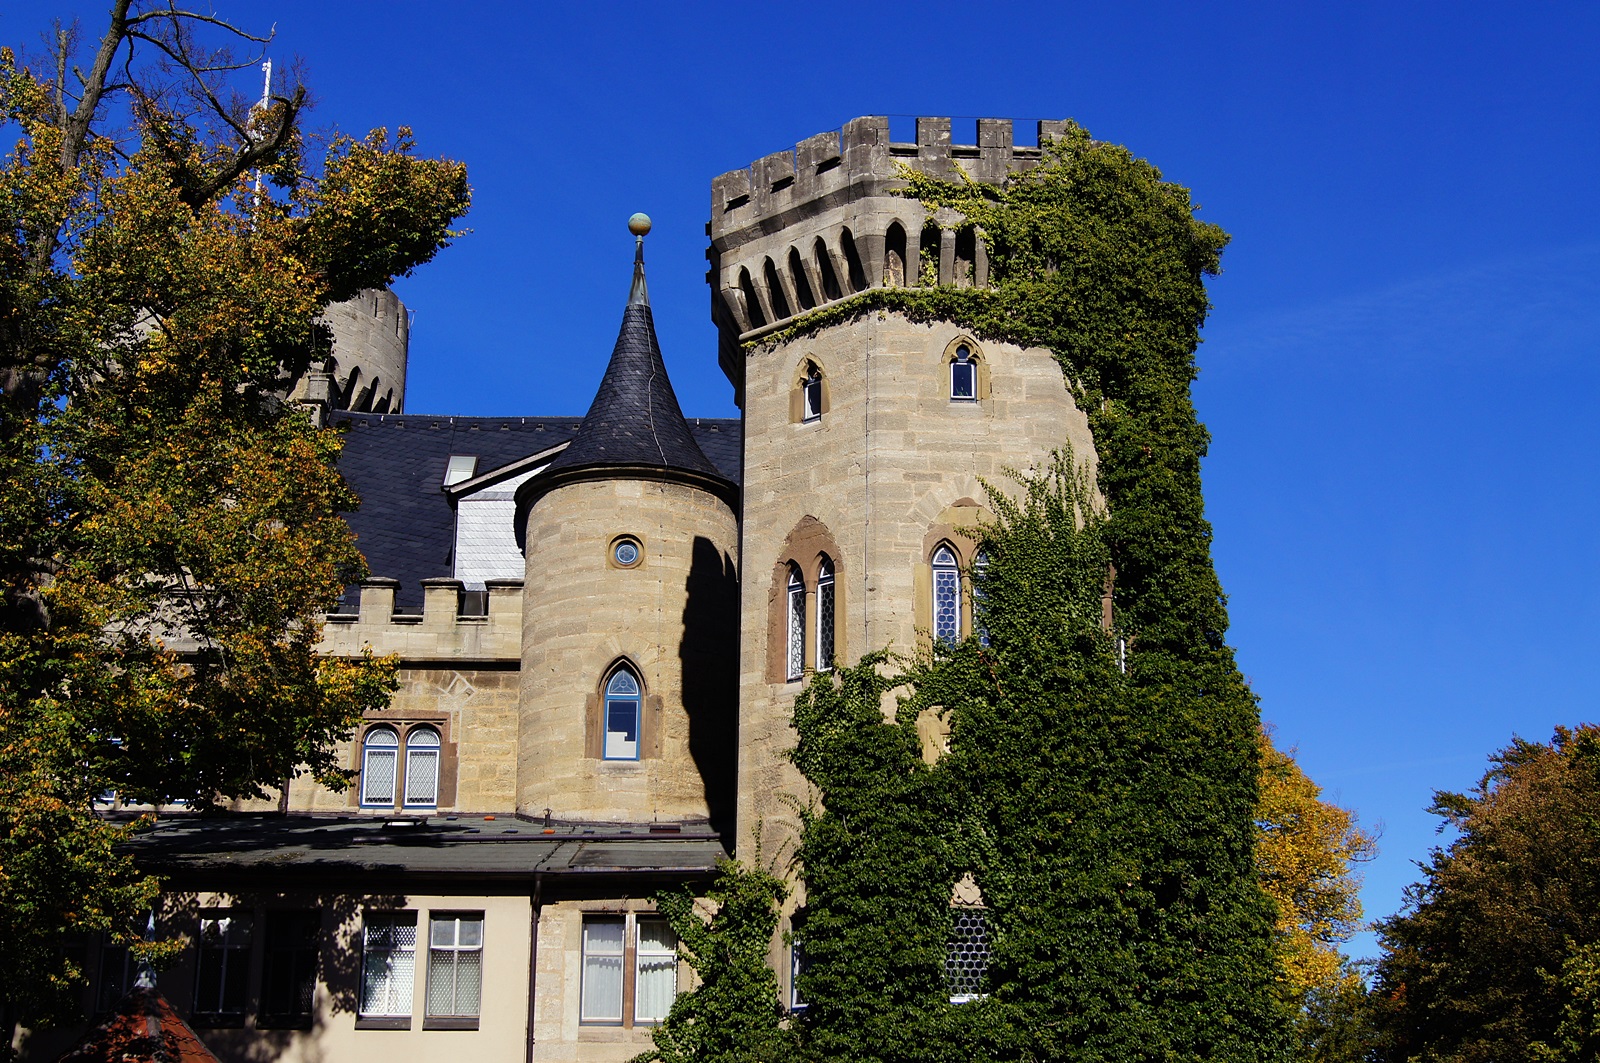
column 635, row 420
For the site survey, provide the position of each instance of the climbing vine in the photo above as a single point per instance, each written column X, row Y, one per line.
column 1102, row 801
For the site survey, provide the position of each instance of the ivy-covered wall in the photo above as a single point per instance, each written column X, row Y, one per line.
column 1100, row 783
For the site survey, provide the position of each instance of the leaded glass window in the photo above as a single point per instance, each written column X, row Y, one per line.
column 422, row 768
column 946, row 596
column 967, row 959
column 388, row 965
column 622, row 716
column 455, row 965
column 825, row 615
column 963, row 375
column 656, row 984
column 797, row 624
column 379, row 757
column 980, row 622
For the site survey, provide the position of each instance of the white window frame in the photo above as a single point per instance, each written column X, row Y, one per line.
column 379, row 743
column 967, row 360
column 399, row 965
column 628, row 959
column 811, row 397
column 445, row 961
column 422, row 744
column 946, row 565
column 618, row 750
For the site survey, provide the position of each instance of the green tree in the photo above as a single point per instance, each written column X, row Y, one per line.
column 1494, row 956
column 169, row 527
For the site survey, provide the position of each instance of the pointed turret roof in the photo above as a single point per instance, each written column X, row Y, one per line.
column 634, row 426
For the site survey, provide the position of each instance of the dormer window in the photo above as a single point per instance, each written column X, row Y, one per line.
column 811, row 396
column 963, row 376
column 460, row 467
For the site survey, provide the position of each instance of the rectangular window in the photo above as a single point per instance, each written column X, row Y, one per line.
column 116, row 975
column 797, row 627
column 601, row 992
column 289, row 969
column 797, row 964
column 656, row 981
column 455, row 966
column 812, row 392
column 388, row 965
column 222, row 974
column 967, row 959
column 630, row 970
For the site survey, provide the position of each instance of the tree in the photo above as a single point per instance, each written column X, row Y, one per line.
column 169, row 527
column 1304, row 855
column 1494, row 955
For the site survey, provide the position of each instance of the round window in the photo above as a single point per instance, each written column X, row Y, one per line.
column 626, row 553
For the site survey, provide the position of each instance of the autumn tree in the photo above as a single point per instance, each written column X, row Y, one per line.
column 1305, row 854
column 1496, row 955
column 169, row 527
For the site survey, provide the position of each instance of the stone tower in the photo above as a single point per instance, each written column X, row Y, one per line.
column 630, row 608
column 865, row 441
column 366, row 371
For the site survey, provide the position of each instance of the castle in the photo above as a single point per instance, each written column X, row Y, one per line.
column 602, row 624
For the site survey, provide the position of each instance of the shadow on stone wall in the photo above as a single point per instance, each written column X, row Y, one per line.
column 710, row 656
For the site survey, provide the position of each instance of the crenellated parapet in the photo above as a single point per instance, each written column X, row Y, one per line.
column 444, row 631
column 819, row 223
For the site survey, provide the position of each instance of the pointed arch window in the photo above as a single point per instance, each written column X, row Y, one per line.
column 963, row 376
column 946, row 595
column 422, row 768
column 380, row 754
column 980, row 620
column 825, row 615
column 811, row 395
column 622, row 716
column 796, row 593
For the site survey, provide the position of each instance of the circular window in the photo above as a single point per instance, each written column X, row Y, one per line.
column 625, row 552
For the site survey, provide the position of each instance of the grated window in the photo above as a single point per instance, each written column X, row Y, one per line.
column 967, row 959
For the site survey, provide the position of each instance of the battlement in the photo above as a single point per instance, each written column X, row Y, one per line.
column 820, row 222
column 441, row 632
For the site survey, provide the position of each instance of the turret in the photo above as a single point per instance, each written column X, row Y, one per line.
column 630, row 634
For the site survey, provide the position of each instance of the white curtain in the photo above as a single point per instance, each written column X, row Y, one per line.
column 602, row 970
column 657, row 983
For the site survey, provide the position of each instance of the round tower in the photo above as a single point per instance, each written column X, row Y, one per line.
column 630, row 617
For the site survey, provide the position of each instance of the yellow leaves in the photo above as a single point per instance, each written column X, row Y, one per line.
column 1306, row 850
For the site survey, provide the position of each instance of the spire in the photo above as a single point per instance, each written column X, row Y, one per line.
column 639, row 226
column 634, row 424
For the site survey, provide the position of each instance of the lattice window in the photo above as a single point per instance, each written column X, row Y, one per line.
column 825, row 616
column 388, row 965
column 379, row 760
column 422, row 768
column 946, row 596
column 797, row 624
column 455, row 965
column 980, row 620
column 967, row 959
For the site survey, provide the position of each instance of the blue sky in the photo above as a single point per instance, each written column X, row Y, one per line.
column 1399, row 374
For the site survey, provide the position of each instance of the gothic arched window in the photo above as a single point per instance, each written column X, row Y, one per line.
column 422, row 768
column 963, row 375
column 379, row 755
column 622, row 716
column 946, row 595
column 796, row 592
column 825, row 615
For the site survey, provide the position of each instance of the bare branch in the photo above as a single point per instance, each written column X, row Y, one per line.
column 173, row 13
column 75, row 129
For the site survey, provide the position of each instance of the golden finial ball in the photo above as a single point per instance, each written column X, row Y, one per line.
column 639, row 224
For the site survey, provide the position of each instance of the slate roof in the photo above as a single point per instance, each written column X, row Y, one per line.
column 395, row 463
column 635, row 419
column 504, row 846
